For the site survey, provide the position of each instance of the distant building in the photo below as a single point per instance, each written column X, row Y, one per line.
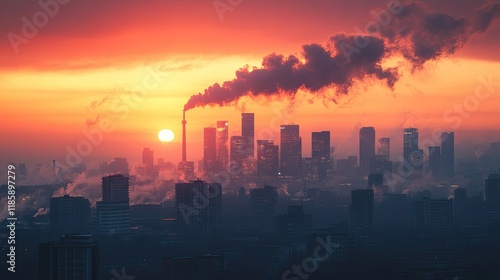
column 193, row 268
column 198, row 206
column 209, row 150
column 74, row 257
column 347, row 167
column 448, row 154
column 321, row 153
column 222, row 136
column 248, row 133
column 432, row 218
column 435, row 161
column 264, row 201
column 384, row 148
column 492, row 193
column 118, row 166
column 294, row 225
column 267, row 160
column 344, row 246
column 291, row 152
column 410, row 149
column 237, row 156
column 380, row 164
column 366, row 148
column 113, row 213
column 310, row 168
column 148, row 157
column 69, row 215
column 361, row 211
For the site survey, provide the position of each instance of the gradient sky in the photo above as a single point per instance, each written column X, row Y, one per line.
column 80, row 67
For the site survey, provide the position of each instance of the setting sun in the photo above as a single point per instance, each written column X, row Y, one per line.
column 166, row 135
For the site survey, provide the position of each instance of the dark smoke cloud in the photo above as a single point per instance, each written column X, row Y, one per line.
column 415, row 33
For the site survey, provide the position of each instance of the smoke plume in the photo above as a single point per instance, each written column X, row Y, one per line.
column 414, row 33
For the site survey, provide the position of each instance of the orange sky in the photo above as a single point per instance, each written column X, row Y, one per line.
column 99, row 51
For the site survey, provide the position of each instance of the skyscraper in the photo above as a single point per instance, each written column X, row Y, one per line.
column 113, row 213
column 209, row 149
column 492, row 193
column 147, row 157
column 248, row 133
column 366, row 148
column 435, row 161
column 237, row 155
column 222, row 137
column 291, row 151
column 410, row 146
column 321, row 153
column 69, row 215
column 361, row 210
column 384, row 148
column 267, row 160
column 448, row 154
column 432, row 218
column 73, row 257
column 198, row 205
column 264, row 201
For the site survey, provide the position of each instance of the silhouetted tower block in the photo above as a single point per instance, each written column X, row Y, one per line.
column 267, row 160
column 435, row 161
column 113, row 212
column 321, row 153
column 248, row 133
column 222, row 137
column 432, row 218
column 291, row 152
column 148, row 157
column 74, row 257
column 366, row 148
column 448, row 154
column 492, row 193
column 193, row 268
column 295, row 225
column 361, row 211
column 209, row 150
column 69, row 215
column 198, row 206
column 237, row 156
column 264, row 201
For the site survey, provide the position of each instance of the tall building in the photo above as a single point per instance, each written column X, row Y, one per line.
column 209, row 149
column 321, row 153
column 310, row 168
column 366, row 148
column 248, row 133
column 69, row 215
column 113, row 212
column 435, row 161
column 492, row 193
column 384, row 148
column 198, row 205
column 267, row 160
column 410, row 147
column 237, row 155
column 118, row 166
column 361, row 211
column 147, row 157
column 222, row 137
column 290, row 151
column 448, row 154
column 193, row 268
column 74, row 257
column 295, row 225
column 264, row 201
column 432, row 218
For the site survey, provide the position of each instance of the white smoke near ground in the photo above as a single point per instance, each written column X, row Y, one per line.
column 41, row 211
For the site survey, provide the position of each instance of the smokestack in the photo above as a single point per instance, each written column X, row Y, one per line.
column 184, row 136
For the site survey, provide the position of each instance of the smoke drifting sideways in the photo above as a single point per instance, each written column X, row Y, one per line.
column 414, row 33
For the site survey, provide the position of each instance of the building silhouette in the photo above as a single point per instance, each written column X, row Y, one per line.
column 113, row 212
column 193, row 268
column 361, row 211
column 74, row 257
column 410, row 147
column 264, row 201
column 435, row 161
column 448, row 154
column 295, row 225
column 321, row 153
column 248, row 133
column 209, row 150
column 310, row 167
column 69, row 215
column 432, row 217
column 148, row 157
column 222, row 137
column 118, row 166
column 366, row 149
column 290, row 152
column 198, row 205
column 384, row 148
column 237, row 156
column 492, row 193
column 267, row 160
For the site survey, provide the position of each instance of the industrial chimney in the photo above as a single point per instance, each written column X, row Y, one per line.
column 184, row 136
